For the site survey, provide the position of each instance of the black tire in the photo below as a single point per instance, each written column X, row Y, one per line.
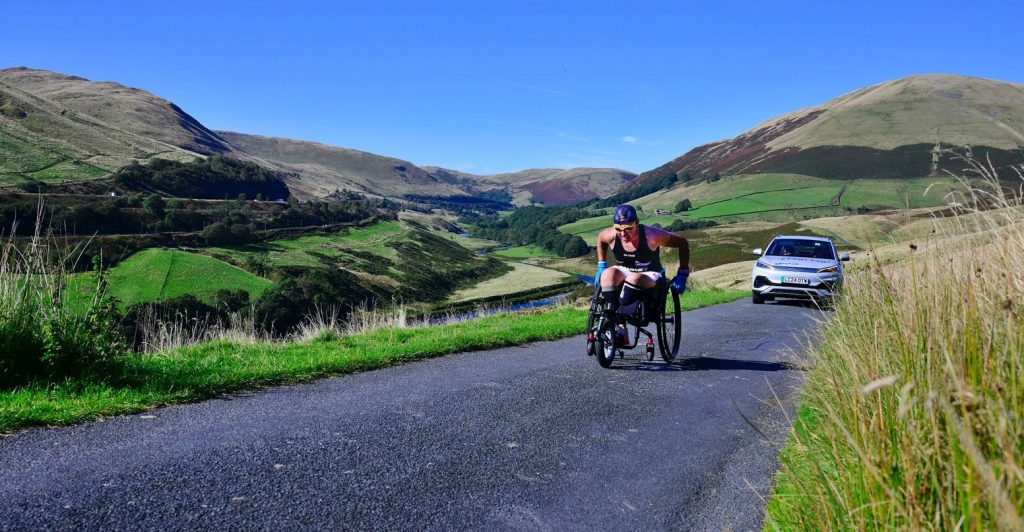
column 670, row 327
column 605, row 345
column 597, row 308
column 757, row 299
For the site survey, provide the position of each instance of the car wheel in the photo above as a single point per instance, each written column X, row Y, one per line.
column 757, row 299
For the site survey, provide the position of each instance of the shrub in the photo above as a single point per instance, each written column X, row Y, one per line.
column 217, row 234
column 43, row 333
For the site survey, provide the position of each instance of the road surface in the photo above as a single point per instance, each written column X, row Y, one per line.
column 534, row 437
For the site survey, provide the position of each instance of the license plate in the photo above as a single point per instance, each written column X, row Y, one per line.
column 796, row 280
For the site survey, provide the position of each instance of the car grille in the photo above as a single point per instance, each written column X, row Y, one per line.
column 761, row 281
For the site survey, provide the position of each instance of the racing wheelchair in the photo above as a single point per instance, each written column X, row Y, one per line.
column 660, row 307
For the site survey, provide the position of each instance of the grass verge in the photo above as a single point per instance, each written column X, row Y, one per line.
column 187, row 374
column 913, row 414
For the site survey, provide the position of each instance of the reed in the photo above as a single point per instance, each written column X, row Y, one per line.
column 912, row 416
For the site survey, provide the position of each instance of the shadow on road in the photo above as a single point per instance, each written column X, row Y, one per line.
column 705, row 364
column 803, row 304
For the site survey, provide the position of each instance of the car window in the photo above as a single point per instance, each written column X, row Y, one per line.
column 807, row 249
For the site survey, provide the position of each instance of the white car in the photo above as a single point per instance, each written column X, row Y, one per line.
column 798, row 267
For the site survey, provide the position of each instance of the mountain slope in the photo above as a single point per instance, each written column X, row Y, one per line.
column 550, row 186
column 126, row 108
column 323, row 169
column 910, row 127
column 58, row 128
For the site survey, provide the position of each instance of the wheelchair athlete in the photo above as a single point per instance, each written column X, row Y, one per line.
column 637, row 261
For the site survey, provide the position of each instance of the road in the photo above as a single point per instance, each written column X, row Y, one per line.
column 533, row 437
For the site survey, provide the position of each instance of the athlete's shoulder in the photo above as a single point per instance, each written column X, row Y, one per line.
column 607, row 235
column 656, row 235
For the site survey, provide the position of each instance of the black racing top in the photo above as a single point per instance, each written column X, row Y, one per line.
column 641, row 260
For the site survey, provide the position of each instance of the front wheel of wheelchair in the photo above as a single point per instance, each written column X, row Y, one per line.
column 604, row 344
column 669, row 327
column 597, row 309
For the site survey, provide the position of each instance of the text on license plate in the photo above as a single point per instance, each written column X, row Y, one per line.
column 796, row 280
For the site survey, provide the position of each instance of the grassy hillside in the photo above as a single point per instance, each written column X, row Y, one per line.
column 128, row 110
column 909, row 128
column 388, row 259
column 781, row 197
column 321, row 169
column 159, row 274
column 44, row 141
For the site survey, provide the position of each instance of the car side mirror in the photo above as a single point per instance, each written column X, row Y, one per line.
column 757, row 251
column 844, row 257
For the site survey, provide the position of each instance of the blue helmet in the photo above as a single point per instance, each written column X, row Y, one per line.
column 624, row 214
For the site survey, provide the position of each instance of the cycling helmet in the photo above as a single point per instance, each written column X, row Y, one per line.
column 624, row 214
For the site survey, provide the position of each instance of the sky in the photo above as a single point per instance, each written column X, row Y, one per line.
column 488, row 87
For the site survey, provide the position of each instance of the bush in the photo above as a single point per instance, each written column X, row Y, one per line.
column 680, row 225
column 684, row 205
column 217, row 234
column 42, row 333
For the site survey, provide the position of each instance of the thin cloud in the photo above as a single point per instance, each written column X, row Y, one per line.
column 555, row 132
column 629, row 139
column 542, row 90
column 572, row 137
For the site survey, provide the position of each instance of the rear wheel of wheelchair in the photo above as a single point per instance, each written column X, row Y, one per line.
column 670, row 327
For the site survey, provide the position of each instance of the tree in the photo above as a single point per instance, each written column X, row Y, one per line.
column 154, row 204
column 575, row 247
column 241, row 233
column 175, row 221
column 217, row 234
column 684, row 205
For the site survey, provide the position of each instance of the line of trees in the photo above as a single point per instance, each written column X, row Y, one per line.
column 215, row 177
column 533, row 225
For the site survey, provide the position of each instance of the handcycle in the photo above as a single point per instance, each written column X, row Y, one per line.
column 660, row 306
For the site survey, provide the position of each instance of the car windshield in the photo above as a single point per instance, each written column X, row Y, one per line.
column 795, row 247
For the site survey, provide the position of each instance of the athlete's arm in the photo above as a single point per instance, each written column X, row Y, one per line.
column 660, row 237
column 604, row 239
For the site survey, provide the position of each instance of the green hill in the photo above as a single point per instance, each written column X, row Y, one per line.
column 159, row 274
column 914, row 127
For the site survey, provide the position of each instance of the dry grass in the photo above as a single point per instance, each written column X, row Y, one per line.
column 523, row 277
column 913, row 416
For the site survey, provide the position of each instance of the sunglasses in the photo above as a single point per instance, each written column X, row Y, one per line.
column 621, row 228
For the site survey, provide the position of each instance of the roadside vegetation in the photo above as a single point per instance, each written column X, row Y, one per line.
column 912, row 416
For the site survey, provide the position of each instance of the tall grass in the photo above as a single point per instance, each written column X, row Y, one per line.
column 42, row 335
column 913, row 414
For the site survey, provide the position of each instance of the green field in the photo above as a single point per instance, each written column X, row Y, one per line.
column 780, row 198
column 525, row 252
column 159, row 274
column 311, row 251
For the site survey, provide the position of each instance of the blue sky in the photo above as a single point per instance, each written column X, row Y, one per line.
column 489, row 87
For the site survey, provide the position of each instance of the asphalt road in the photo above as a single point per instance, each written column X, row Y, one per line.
column 534, row 437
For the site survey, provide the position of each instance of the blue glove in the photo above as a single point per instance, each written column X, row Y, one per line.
column 679, row 283
column 601, row 267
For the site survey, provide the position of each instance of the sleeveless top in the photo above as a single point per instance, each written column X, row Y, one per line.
column 641, row 260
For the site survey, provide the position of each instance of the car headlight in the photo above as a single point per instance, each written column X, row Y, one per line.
column 828, row 269
column 764, row 265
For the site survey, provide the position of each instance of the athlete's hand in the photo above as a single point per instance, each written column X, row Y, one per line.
column 601, row 267
column 679, row 283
